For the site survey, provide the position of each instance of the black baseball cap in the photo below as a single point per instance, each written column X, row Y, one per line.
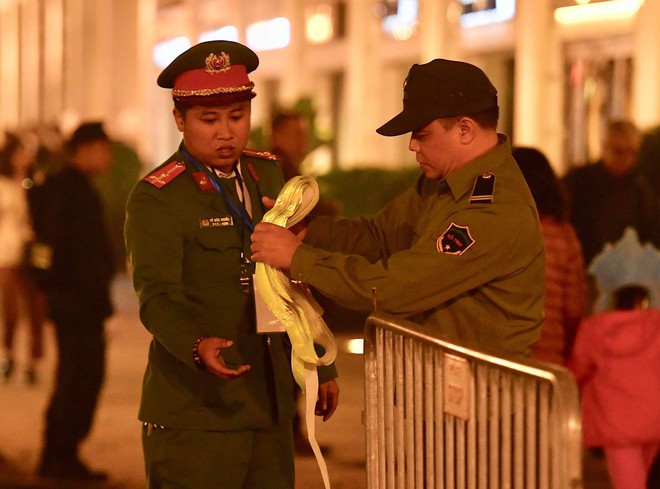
column 439, row 89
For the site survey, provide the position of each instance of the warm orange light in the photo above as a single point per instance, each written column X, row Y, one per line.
column 593, row 12
column 355, row 346
column 318, row 27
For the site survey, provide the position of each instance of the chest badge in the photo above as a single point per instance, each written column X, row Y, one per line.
column 455, row 240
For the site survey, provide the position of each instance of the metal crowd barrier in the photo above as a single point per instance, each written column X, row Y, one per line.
column 441, row 416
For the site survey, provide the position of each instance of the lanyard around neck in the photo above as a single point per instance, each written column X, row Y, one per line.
column 242, row 213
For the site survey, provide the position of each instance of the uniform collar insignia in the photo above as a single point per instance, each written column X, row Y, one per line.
column 203, row 182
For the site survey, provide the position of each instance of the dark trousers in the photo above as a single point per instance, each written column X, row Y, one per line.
column 250, row 459
column 79, row 376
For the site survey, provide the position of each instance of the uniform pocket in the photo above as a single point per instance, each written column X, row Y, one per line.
column 213, row 256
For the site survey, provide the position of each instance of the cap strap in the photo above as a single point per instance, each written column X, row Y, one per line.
column 211, row 91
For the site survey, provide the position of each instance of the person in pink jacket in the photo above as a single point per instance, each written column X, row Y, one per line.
column 616, row 361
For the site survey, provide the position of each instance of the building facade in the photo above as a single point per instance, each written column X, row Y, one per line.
column 561, row 68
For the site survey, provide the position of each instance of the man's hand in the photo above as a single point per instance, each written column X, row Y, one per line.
column 328, row 399
column 210, row 352
column 274, row 245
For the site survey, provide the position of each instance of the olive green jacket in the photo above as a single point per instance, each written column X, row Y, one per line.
column 461, row 255
column 184, row 247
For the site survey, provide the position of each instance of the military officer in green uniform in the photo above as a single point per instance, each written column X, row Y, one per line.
column 460, row 252
column 216, row 402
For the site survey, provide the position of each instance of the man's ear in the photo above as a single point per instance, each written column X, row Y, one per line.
column 467, row 128
column 179, row 118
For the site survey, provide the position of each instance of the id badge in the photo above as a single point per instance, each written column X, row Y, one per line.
column 266, row 320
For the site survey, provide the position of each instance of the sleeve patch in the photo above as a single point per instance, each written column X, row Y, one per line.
column 456, row 240
column 483, row 189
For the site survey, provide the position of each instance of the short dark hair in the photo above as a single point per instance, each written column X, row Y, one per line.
column 486, row 119
column 629, row 297
column 87, row 132
column 182, row 107
column 547, row 190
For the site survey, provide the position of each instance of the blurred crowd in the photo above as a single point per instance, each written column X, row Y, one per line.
column 61, row 243
column 601, row 230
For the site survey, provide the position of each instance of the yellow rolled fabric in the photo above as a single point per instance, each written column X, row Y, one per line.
column 293, row 304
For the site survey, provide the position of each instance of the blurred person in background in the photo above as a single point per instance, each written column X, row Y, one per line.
column 608, row 196
column 616, row 360
column 289, row 141
column 565, row 282
column 114, row 186
column 648, row 159
column 17, row 286
column 68, row 218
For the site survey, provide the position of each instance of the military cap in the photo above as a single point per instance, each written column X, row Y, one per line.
column 441, row 88
column 211, row 73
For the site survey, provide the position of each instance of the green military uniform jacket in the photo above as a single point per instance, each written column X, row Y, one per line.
column 184, row 246
column 463, row 255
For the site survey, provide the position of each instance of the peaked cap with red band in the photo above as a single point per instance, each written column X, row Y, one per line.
column 211, row 73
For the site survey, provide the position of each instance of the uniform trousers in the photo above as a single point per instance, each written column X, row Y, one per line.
column 248, row 459
column 79, row 377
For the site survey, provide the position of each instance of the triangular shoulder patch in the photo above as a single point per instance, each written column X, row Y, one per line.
column 166, row 174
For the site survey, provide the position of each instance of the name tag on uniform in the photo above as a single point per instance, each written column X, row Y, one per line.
column 216, row 222
column 266, row 320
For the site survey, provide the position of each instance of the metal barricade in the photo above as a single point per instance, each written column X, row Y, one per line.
column 441, row 416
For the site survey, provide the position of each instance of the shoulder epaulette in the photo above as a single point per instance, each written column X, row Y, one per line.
column 261, row 154
column 483, row 189
column 166, row 174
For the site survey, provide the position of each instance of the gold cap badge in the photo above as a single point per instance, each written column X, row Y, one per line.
column 217, row 64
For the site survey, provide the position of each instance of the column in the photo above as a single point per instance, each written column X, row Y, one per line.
column 438, row 30
column 295, row 81
column 538, row 80
column 74, row 68
column 29, row 55
column 52, row 60
column 357, row 136
column 9, row 65
column 646, row 60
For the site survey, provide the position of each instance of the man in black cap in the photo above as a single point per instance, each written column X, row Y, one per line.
column 462, row 250
column 76, row 274
column 216, row 403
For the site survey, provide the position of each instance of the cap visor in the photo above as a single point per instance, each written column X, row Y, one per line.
column 403, row 123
